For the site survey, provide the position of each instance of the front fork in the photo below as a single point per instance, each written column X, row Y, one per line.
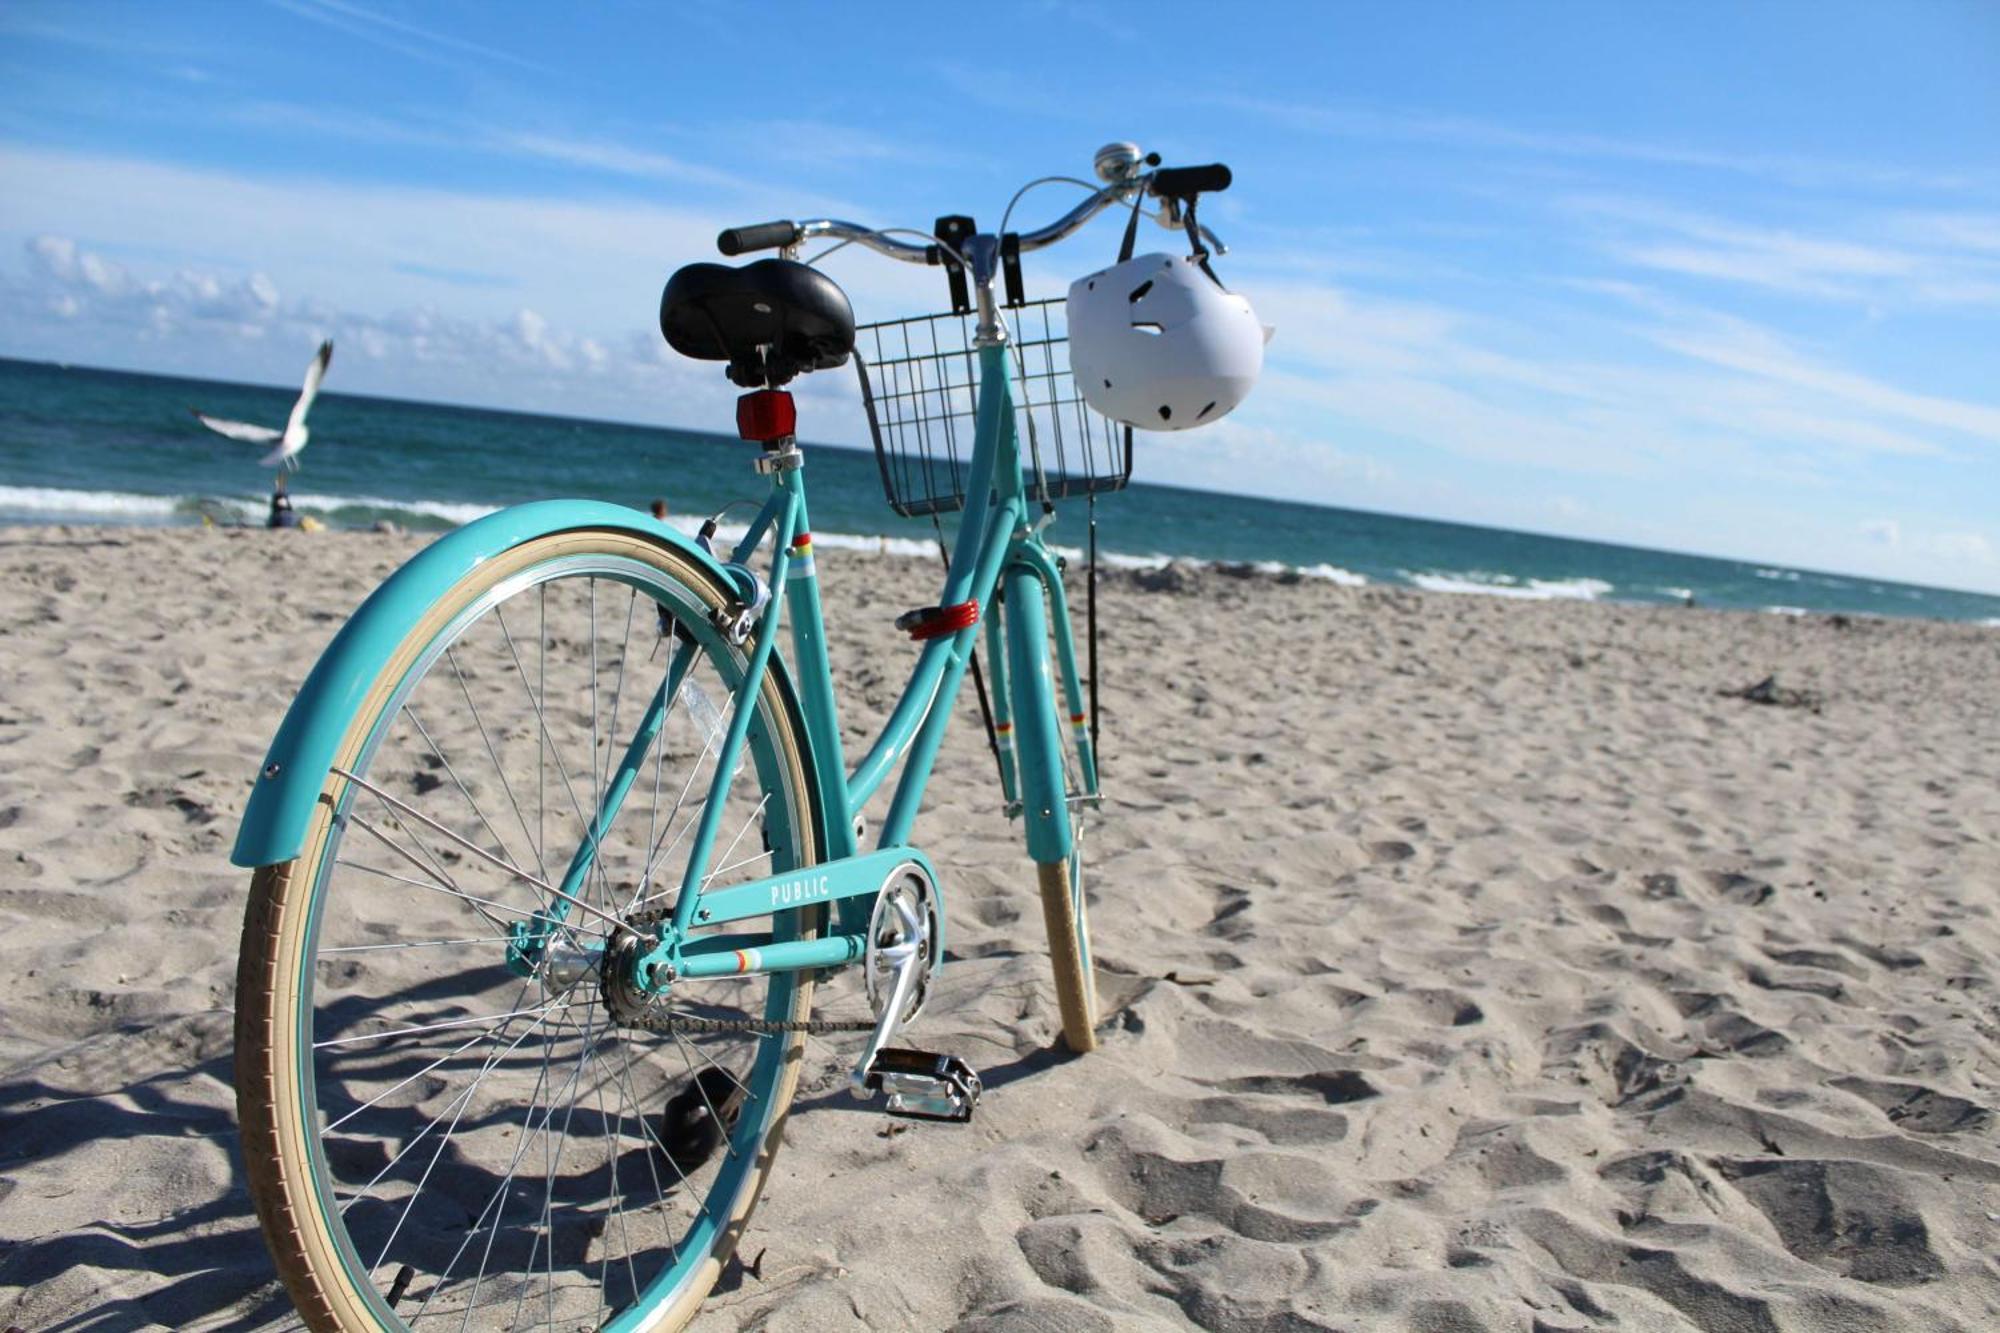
column 1017, row 654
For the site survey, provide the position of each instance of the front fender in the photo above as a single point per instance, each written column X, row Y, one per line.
column 295, row 769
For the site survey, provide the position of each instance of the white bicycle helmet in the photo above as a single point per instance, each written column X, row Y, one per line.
column 1157, row 343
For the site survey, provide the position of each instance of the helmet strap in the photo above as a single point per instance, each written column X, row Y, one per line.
column 1196, row 248
column 1126, row 246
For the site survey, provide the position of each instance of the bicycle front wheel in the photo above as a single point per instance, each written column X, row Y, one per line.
column 437, row 1134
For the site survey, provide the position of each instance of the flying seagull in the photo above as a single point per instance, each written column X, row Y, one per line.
column 293, row 437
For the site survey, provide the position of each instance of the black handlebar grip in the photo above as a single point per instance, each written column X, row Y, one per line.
column 761, row 236
column 1182, row 182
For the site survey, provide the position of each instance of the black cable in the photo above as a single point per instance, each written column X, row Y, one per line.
column 978, row 676
column 1090, row 614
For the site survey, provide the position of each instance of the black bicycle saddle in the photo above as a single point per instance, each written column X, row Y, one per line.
column 770, row 320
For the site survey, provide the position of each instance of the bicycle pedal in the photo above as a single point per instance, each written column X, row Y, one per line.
column 924, row 1085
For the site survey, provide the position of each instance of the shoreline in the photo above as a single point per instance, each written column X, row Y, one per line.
column 248, row 516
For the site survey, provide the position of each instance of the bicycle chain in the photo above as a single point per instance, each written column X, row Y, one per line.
column 671, row 1024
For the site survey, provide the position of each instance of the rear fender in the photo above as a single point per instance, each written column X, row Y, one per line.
column 295, row 770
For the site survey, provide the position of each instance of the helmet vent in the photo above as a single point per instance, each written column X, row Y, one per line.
column 1139, row 292
column 1204, row 411
column 1152, row 327
column 1166, row 413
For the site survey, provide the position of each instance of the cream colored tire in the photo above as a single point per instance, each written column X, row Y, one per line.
column 1076, row 988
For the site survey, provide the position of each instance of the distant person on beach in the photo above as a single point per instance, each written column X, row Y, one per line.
column 282, row 513
column 659, row 508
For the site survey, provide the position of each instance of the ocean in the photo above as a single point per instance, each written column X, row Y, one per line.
column 80, row 445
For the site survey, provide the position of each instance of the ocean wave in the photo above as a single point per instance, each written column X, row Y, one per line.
column 133, row 507
column 1786, row 611
column 55, row 504
column 51, row 500
column 1787, row 575
column 1346, row 578
column 1506, row 585
column 453, row 512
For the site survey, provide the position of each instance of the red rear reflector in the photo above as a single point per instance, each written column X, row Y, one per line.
column 766, row 415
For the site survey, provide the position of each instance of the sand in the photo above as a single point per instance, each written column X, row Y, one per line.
column 1469, row 964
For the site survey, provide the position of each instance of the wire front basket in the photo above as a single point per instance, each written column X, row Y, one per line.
column 920, row 382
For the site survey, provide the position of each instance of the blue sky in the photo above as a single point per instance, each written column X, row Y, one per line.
column 1722, row 278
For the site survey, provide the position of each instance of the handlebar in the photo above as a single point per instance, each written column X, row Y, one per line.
column 1165, row 182
column 1180, row 182
column 760, row 236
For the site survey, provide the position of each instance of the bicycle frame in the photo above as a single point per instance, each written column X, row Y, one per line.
column 999, row 556
column 996, row 545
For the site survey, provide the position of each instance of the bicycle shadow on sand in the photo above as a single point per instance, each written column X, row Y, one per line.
column 82, row 1115
column 208, row 1257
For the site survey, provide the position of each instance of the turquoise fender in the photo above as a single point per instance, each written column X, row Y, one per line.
column 295, row 769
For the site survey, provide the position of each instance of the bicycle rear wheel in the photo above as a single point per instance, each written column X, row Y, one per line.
column 434, row 1139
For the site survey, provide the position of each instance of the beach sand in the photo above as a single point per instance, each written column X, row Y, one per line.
column 1467, row 963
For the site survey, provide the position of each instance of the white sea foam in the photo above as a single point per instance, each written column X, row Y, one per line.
column 1506, row 585
column 1114, row 560
column 57, row 502
column 1788, row 575
column 1346, row 578
column 54, row 502
column 1787, row 611
column 907, row 547
column 449, row 510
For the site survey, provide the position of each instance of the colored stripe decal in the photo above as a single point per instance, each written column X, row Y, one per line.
column 802, row 566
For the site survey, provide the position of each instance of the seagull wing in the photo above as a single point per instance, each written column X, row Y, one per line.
column 238, row 430
column 314, row 374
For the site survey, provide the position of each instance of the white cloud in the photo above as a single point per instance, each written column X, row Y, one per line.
column 1885, row 531
column 401, row 36
column 1494, row 136
column 1963, row 548
column 243, row 327
column 1938, row 260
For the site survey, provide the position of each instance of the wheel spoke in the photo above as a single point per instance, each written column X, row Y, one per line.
column 542, row 1016
column 547, row 741
column 481, row 852
column 469, row 1043
column 479, row 721
column 437, row 886
column 488, row 1019
column 478, row 812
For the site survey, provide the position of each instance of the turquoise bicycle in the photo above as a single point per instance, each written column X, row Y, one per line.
column 554, row 844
